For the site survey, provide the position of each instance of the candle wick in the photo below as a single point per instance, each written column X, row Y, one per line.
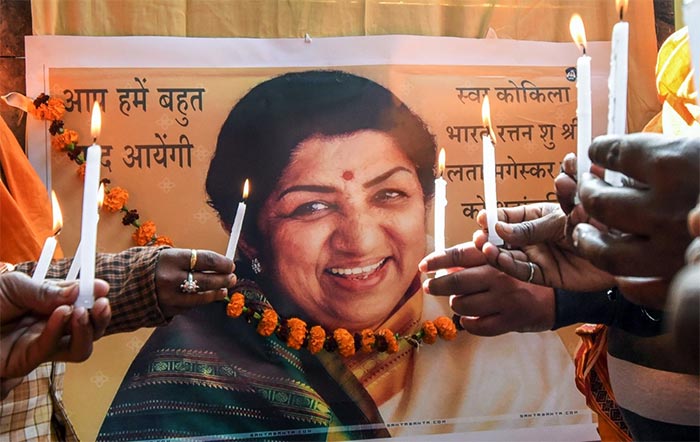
column 622, row 12
column 94, row 140
column 584, row 50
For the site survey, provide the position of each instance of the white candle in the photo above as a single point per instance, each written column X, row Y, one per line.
column 88, row 231
column 75, row 264
column 489, row 167
column 583, row 97
column 237, row 224
column 617, row 85
column 42, row 266
column 439, row 208
column 691, row 17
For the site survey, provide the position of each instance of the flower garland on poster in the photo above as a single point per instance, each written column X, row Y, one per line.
column 52, row 109
column 296, row 334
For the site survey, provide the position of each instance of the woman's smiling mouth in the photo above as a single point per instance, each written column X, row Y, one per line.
column 356, row 273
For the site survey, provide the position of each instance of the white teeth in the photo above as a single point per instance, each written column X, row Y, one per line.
column 356, row 270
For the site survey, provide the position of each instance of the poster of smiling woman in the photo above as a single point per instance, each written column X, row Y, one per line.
column 338, row 140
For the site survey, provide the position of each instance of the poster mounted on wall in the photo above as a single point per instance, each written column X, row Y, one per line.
column 339, row 139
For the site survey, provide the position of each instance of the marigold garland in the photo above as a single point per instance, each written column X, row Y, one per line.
column 52, row 109
column 295, row 333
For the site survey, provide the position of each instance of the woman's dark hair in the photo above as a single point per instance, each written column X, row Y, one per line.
column 264, row 128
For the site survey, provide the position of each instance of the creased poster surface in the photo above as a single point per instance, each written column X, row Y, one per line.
column 164, row 103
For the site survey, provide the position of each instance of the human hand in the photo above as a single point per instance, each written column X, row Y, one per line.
column 652, row 218
column 539, row 249
column 490, row 302
column 212, row 272
column 39, row 324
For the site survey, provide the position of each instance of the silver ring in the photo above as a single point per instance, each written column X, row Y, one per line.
column 189, row 284
column 532, row 271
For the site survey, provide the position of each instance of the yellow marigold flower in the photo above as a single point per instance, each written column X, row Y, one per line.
column 446, row 328
column 317, row 336
column 144, row 234
column 297, row 333
column 430, row 332
column 81, row 171
column 115, row 199
column 268, row 322
column 368, row 339
column 391, row 342
column 162, row 240
column 345, row 341
column 235, row 306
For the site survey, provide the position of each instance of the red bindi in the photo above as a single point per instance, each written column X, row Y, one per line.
column 348, row 175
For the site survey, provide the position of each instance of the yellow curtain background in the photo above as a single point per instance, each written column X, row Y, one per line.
column 544, row 20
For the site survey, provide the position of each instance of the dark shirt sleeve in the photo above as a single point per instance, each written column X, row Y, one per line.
column 607, row 307
column 132, row 286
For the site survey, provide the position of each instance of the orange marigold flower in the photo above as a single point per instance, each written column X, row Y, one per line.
column 430, row 332
column 81, row 171
column 52, row 110
column 144, row 234
column 115, row 199
column 367, row 339
column 235, row 306
column 59, row 142
column 297, row 333
column 317, row 336
column 446, row 328
column 391, row 342
column 268, row 322
column 345, row 341
column 162, row 240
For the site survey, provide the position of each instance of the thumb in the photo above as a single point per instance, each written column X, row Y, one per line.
column 547, row 228
column 19, row 294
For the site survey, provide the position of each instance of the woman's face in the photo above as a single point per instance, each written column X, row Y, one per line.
column 346, row 228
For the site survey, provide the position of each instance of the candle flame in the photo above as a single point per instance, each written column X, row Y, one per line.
column 441, row 161
column 96, row 121
column 486, row 117
column 100, row 196
column 578, row 31
column 246, row 188
column 57, row 215
column 621, row 7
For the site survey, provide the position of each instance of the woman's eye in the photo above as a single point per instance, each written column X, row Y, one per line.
column 389, row 195
column 309, row 209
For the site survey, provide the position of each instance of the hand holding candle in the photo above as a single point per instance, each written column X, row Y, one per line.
column 88, row 231
column 237, row 224
column 42, row 266
column 439, row 209
column 583, row 97
column 489, row 168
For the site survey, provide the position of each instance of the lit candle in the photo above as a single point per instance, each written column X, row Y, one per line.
column 88, row 231
column 439, row 209
column 583, row 97
column 75, row 264
column 237, row 224
column 691, row 17
column 489, row 167
column 617, row 84
column 42, row 267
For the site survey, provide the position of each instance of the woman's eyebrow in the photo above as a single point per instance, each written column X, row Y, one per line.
column 385, row 176
column 306, row 188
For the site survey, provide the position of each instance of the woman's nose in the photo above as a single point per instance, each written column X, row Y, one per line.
column 357, row 232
